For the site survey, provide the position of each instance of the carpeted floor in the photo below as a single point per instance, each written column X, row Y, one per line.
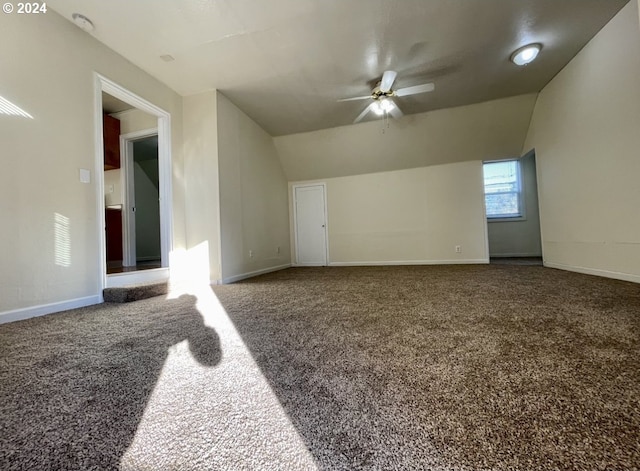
column 486, row 367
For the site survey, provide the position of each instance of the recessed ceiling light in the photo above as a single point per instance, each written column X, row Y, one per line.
column 526, row 54
column 167, row 57
column 83, row 22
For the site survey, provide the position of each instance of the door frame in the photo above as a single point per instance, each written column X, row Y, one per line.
column 295, row 221
column 128, row 192
column 103, row 84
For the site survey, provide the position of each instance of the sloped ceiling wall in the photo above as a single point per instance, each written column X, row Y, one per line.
column 491, row 130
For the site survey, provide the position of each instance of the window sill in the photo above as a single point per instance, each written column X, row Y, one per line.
column 513, row 219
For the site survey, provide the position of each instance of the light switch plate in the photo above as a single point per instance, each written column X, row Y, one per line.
column 85, row 175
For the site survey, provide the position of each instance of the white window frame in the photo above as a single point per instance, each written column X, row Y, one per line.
column 521, row 200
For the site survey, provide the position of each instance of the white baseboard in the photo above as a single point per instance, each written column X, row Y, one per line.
column 595, row 271
column 511, row 255
column 44, row 309
column 409, row 262
column 244, row 276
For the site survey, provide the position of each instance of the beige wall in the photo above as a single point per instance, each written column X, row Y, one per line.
column 253, row 197
column 203, row 201
column 519, row 238
column 113, row 187
column 490, row 130
column 135, row 120
column 50, row 237
column 414, row 192
column 586, row 132
column 408, row 216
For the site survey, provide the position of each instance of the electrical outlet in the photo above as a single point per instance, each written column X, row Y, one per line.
column 250, row 253
column 458, row 249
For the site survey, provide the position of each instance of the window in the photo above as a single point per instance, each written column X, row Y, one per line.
column 503, row 189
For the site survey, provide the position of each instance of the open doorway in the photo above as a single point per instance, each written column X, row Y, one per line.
column 132, row 214
column 131, row 175
column 134, row 164
column 142, row 216
column 511, row 204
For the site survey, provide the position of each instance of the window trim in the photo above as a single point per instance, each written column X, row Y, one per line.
column 521, row 199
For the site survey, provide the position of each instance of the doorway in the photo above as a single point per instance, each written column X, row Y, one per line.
column 141, row 196
column 511, row 204
column 139, row 263
column 310, row 223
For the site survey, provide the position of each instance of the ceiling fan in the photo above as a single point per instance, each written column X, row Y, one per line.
column 382, row 96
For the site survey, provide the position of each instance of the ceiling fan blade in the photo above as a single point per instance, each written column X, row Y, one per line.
column 355, row 98
column 364, row 113
column 388, row 78
column 425, row 87
column 395, row 111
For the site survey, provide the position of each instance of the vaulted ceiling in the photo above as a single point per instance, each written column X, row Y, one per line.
column 287, row 62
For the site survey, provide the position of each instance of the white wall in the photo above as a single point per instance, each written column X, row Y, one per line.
column 113, row 187
column 414, row 192
column 253, row 197
column 50, row 222
column 483, row 131
column 203, row 200
column 135, row 120
column 586, row 133
column 521, row 237
column 408, row 216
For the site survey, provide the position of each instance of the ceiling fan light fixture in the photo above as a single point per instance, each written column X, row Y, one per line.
column 526, row 54
column 383, row 95
column 382, row 106
column 386, row 104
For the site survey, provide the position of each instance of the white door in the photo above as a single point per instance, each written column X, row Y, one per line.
column 310, row 225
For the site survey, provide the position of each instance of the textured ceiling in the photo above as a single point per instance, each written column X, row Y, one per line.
column 286, row 62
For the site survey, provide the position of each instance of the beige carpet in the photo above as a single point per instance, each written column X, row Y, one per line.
column 495, row 367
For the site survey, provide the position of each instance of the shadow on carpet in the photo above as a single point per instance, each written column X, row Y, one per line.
column 74, row 385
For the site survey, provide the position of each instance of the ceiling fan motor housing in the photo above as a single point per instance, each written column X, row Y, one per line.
column 377, row 94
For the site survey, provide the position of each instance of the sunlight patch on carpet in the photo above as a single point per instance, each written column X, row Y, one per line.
column 228, row 409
